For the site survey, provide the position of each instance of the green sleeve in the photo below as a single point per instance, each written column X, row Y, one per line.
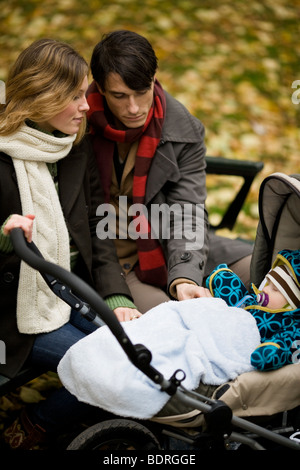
column 5, row 241
column 115, row 301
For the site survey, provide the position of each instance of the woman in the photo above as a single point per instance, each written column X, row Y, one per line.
column 49, row 188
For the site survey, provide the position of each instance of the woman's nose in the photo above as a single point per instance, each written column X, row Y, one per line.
column 84, row 106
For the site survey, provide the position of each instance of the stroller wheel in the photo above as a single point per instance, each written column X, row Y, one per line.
column 115, row 434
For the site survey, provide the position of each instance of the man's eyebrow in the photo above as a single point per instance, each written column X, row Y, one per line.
column 118, row 92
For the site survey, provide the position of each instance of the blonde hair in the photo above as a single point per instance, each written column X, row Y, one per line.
column 44, row 79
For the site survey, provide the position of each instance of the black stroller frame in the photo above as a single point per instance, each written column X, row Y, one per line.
column 219, row 418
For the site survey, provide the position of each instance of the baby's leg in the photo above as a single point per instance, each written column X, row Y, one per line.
column 278, row 351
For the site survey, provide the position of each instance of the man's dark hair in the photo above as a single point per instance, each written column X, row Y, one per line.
column 128, row 54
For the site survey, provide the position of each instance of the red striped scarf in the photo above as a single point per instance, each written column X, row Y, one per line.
column 151, row 268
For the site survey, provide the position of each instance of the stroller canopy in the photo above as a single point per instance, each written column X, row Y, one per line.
column 279, row 222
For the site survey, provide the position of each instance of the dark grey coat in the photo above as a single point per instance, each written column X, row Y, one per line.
column 177, row 176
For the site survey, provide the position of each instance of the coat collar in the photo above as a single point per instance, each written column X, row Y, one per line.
column 179, row 124
column 165, row 165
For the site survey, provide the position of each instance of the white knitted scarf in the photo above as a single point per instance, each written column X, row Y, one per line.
column 38, row 309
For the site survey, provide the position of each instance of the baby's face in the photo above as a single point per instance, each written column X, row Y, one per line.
column 276, row 299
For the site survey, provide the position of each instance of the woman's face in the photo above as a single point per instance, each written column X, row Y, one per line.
column 69, row 120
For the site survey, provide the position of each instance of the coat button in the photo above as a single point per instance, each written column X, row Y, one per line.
column 185, row 256
column 8, row 277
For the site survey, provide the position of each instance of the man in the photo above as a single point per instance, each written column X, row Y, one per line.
column 150, row 153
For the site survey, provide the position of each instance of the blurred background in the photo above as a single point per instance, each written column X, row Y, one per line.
column 232, row 63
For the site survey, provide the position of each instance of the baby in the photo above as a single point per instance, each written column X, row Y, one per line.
column 275, row 307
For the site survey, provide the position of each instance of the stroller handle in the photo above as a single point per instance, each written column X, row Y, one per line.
column 139, row 355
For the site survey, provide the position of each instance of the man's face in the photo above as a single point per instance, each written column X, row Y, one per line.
column 130, row 107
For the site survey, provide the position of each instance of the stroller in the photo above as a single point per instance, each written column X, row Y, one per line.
column 257, row 409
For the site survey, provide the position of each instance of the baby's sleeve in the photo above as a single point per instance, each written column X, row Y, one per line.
column 225, row 284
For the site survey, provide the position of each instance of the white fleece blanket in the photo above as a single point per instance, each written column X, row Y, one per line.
column 210, row 341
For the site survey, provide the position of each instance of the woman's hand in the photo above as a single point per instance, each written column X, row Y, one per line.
column 20, row 221
column 126, row 313
column 191, row 291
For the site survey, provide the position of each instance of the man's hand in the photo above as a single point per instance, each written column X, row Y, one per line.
column 190, row 291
